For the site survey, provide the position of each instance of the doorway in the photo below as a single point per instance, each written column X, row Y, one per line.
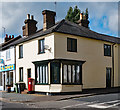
column 108, row 77
column 4, row 82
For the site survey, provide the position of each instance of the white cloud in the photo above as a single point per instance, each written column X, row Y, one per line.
column 14, row 14
column 113, row 21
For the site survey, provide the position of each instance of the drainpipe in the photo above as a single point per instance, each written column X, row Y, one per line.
column 113, row 62
column 15, row 61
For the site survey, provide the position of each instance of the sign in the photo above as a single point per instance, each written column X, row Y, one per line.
column 7, row 68
column 1, row 61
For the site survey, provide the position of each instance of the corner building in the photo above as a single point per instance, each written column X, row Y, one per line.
column 66, row 57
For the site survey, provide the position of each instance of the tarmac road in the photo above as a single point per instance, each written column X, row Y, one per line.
column 104, row 101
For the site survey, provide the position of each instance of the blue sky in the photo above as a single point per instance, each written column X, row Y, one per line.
column 103, row 16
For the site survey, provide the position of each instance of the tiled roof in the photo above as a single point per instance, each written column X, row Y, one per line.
column 68, row 27
column 9, row 43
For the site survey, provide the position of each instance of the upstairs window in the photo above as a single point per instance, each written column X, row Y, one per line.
column 71, row 45
column 41, row 46
column 107, row 50
column 21, row 51
column 8, row 54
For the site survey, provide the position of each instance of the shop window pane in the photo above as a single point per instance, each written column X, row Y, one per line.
column 42, row 74
column 73, row 73
column 0, row 79
column 55, row 73
column 38, row 74
column 78, row 74
column 69, row 73
column 46, row 74
column 11, row 79
column 65, row 74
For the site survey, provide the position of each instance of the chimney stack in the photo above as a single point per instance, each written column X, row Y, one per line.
column 84, row 20
column 30, row 26
column 48, row 19
column 8, row 38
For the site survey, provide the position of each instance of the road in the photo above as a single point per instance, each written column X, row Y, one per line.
column 106, row 101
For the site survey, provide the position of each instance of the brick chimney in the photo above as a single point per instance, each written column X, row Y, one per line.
column 7, row 38
column 30, row 26
column 83, row 20
column 48, row 19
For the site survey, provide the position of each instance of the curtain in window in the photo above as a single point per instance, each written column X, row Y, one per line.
column 42, row 74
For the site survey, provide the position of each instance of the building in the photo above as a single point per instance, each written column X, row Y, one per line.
column 66, row 57
column 7, row 62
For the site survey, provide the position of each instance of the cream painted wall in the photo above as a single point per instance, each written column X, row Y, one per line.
column 119, row 64
column 30, row 54
column 89, row 50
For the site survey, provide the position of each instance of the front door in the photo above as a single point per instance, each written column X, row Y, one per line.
column 4, row 82
column 108, row 77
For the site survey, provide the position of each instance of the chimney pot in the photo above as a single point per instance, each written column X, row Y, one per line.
column 81, row 16
column 9, row 36
column 6, row 35
column 28, row 16
column 32, row 17
column 12, row 36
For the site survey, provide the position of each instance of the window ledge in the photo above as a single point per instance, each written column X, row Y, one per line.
column 8, row 59
column 20, row 58
column 41, row 53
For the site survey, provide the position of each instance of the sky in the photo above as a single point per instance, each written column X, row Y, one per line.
column 103, row 16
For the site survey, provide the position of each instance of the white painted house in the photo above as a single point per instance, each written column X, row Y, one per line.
column 7, row 63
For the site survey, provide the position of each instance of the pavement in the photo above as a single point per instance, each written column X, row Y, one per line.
column 26, row 98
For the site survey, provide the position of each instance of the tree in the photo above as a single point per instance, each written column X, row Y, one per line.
column 74, row 15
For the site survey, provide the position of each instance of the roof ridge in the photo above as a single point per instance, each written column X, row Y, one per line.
column 58, row 25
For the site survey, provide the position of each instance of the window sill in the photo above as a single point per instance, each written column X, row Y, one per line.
column 107, row 56
column 8, row 59
column 41, row 53
column 71, row 51
column 71, row 84
column 41, row 84
column 20, row 58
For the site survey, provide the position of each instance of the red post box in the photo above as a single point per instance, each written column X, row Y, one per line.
column 31, row 85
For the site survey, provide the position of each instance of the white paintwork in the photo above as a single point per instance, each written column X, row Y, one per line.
column 8, row 62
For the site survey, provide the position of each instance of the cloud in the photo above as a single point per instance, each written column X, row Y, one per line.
column 14, row 14
column 113, row 20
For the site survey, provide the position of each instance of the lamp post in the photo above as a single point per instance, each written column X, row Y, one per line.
column 4, row 33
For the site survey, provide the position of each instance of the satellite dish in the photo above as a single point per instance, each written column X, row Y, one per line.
column 46, row 47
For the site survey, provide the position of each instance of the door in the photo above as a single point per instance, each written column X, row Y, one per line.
column 29, row 73
column 108, row 77
column 4, row 82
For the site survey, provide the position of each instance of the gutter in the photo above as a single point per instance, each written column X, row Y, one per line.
column 113, row 63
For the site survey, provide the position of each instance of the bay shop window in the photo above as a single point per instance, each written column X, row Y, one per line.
column 69, row 71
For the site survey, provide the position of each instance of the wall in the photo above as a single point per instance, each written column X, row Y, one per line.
column 119, row 64
column 8, row 62
column 89, row 50
column 30, row 54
